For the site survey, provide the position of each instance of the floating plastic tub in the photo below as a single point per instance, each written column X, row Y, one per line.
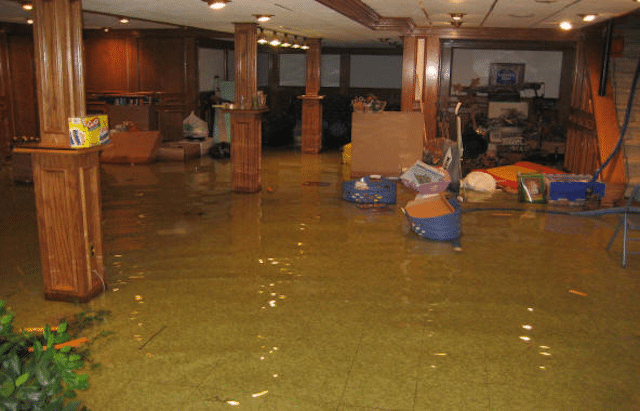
column 434, row 218
column 369, row 190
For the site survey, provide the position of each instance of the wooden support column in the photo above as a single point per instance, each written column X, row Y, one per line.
column 246, row 119
column 57, row 33
column 311, row 101
column 66, row 180
column 409, row 75
column 431, row 85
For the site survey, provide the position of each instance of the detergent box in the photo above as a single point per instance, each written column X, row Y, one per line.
column 88, row 131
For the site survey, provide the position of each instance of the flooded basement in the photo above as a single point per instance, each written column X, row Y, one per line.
column 293, row 299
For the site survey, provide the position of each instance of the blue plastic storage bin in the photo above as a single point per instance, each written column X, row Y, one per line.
column 378, row 191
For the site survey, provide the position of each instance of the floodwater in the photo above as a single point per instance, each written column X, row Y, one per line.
column 293, row 299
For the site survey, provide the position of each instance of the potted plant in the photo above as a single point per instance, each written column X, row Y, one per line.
column 37, row 373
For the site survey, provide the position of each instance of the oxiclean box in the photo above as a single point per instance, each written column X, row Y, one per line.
column 88, row 131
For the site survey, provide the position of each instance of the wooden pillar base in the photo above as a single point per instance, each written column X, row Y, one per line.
column 246, row 150
column 311, row 124
column 68, row 201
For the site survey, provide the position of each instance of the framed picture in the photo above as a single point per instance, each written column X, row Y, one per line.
column 506, row 74
column 531, row 188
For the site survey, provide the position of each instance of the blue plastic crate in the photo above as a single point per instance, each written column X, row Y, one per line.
column 571, row 188
column 378, row 191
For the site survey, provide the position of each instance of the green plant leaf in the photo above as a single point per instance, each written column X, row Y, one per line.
column 37, row 347
column 6, row 319
column 43, row 375
column 22, row 379
column 7, row 388
column 11, row 404
column 65, row 349
column 5, row 347
column 72, row 406
column 62, row 328
column 13, row 364
column 47, row 332
column 55, row 405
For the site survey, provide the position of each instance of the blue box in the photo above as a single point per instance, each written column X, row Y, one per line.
column 571, row 189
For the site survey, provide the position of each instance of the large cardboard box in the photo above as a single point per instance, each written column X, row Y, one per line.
column 129, row 147
column 385, row 143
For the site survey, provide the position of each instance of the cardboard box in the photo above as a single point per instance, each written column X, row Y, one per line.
column 131, row 147
column 178, row 151
column 88, row 131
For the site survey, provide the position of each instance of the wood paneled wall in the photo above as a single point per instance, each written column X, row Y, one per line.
column 162, row 63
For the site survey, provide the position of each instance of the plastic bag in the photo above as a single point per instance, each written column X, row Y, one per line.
column 194, row 126
column 479, row 181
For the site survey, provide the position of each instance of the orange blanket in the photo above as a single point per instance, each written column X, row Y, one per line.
column 507, row 176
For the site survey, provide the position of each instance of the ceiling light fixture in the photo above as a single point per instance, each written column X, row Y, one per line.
column 217, row 4
column 286, row 42
column 29, row 21
column 296, row 43
column 263, row 18
column 262, row 38
column 457, row 16
column 565, row 25
column 27, row 5
column 304, row 45
column 588, row 17
column 124, row 20
column 275, row 41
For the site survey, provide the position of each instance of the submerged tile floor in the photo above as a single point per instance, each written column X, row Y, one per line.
column 292, row 299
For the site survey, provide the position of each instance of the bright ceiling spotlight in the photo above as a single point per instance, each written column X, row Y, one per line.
column 565, row 25
column 296, row 43
column 263, row 18
column 457, row 16
column 275, row 41
column 27, row 5
column 304, row 45
column 588, row 17
column 124, row 20
column 29, row 21
column 286, row 42
column 262, row 38
column 217, row 4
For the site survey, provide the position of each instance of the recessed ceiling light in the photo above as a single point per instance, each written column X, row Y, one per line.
column 565, row 25
column 457, row 16
column 263, row 18
column 27, row 5
column 588, row 17
column 124, row 20
column 217, row 4
column 29, row 21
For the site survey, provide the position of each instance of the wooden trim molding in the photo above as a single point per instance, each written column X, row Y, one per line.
column 359, row 12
